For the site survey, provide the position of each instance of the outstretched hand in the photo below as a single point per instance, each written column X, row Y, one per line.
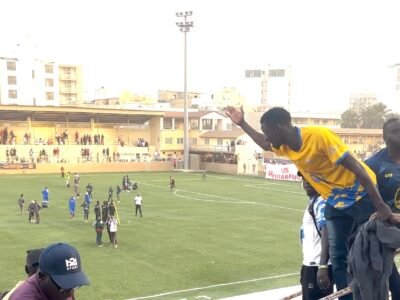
column 237, row 116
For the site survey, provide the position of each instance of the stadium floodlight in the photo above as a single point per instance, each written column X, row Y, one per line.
column 185, row 27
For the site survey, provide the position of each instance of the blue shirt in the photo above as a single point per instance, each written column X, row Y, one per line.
column 388, row 176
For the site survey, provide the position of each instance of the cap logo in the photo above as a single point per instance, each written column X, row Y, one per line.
column 71, row 264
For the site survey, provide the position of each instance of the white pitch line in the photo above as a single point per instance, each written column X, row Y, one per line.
column 213, row 286
column 228, row 200
column 238, row 202
column 272, row 189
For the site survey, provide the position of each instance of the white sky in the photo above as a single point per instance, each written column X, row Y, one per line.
column 335, row 47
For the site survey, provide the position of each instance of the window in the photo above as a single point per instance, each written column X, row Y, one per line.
column 194, row 141
column 276, row 73
column 220, row 141
column 168, row 140
column 12, row 80
column 48, row 68
column 49, row 82
column 207, row 141
column 167, row 123
column 194, row 124
column 12, row 94
column 206, row 124
column 11, row 66
column 49, row 96
column 179, row 140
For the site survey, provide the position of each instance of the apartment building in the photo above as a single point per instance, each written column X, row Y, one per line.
column 360, row 102
column 32, row 82
column 268, row 87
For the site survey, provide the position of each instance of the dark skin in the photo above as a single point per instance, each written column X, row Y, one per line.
column 286, row 134
column 52, row 290
column 322, row 274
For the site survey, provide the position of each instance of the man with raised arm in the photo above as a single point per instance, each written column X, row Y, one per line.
column 347, row 185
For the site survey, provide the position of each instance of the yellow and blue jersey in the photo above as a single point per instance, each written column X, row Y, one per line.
column 318, row 159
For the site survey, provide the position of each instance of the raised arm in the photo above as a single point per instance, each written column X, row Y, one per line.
column 383, row 211
column 237, row 117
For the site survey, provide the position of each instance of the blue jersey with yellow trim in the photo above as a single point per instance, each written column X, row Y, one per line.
column 388, row 176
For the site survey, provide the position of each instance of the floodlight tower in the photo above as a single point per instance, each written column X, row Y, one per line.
column 185, row 28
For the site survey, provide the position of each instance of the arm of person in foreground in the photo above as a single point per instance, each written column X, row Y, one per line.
column 383, row 211
column 237, row 117
column 324, row 281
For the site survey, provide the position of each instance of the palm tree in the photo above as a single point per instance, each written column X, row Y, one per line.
column 374, row 116
column 349, row 119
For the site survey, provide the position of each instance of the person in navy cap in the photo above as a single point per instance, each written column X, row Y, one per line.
column 59, row 275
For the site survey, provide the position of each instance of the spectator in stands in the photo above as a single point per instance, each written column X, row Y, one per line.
column 316, row 271
column 31, row 267
column 385, row 165
column 326, row 163
column 59, row 274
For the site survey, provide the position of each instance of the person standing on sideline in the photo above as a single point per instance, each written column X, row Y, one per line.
column 112, row 221
column 347, row 185
column 31, row 212
column 204, row 177
column 62, row 172
column 97, row 210
column 37, row 208
column 72, row 205
column 316, row 271
column 98, row 227
column 118, row 192
column 138, row 204
column 45, row 197
column 21, row 202
column 386, row 165
column 171, row 183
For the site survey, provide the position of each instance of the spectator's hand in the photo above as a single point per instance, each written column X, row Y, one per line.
column 395, row 219
column 235, row 115
column 383, row 213
column 323, row 278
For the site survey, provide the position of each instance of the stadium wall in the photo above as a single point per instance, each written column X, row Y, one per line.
column 93, row 168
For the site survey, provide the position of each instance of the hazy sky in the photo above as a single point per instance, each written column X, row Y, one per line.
column 336, row 48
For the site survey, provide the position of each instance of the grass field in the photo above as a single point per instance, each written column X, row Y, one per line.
column 225, row 236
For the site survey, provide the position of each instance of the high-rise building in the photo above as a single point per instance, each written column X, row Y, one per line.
column 360, row 102
column 268, row 87
column 27, row 81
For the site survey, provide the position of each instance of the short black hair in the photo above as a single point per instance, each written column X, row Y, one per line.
column 276, row 115
column 388, row 122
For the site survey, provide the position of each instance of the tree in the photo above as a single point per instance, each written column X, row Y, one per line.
column 349, row 119
column 374, row 116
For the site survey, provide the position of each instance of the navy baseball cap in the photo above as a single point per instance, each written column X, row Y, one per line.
column 63, row 263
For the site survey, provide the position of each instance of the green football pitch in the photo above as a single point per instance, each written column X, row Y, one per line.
column 226, row 236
